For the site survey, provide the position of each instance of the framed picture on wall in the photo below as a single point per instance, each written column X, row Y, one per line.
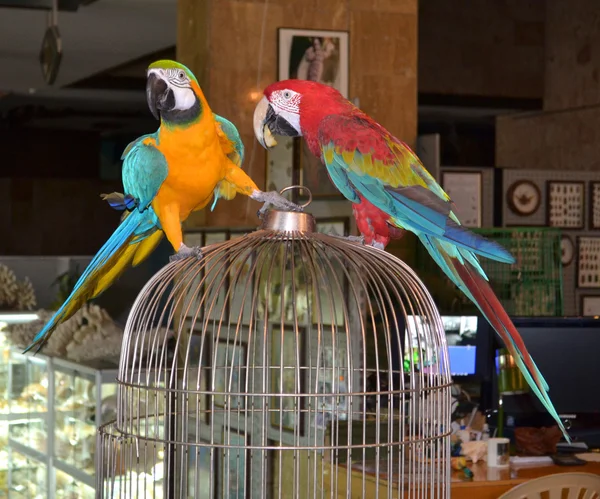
column 523, row 198
column 316, row 55
column 590, row 305
column 321, row 56
column 595, row 205
column 588, row 262
column 565, row 204
column 464, row 189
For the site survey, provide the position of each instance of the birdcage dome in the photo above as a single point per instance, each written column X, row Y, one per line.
column 284, row 363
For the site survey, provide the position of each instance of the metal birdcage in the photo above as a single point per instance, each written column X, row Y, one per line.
column 285, row 363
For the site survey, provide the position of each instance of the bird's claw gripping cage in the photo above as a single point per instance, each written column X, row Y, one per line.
column 273, row 367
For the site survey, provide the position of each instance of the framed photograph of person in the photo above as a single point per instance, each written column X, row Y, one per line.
column 315, row 55
column 321, row 56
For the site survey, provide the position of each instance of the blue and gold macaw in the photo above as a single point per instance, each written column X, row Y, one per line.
column 194, row 157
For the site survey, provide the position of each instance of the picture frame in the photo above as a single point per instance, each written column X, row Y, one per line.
column 588, row 262
column 524, row 197
column 283, row 360
column 465, row 191
column 339, row 226
column 235, row 466
column 565, row 204
column 199, row 470
column 230, row 363
column 296, row 51
column 594, row 202
column 590, row 305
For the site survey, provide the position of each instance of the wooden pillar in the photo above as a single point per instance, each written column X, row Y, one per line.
column 231, row 45
column 572, row 76
column 566, row 135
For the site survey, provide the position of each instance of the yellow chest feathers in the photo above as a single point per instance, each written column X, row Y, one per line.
column 195, row 159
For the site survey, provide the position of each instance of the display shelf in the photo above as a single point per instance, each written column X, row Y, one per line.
column 54, row 409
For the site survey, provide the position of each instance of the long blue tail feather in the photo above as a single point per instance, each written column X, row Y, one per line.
column 469, row 279
column 135, row 225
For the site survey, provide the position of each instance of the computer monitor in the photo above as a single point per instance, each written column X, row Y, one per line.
column 461, row 337
column 566, row 351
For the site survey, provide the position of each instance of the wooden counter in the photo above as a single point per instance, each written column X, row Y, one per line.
column 490, row 484
column 485, row 484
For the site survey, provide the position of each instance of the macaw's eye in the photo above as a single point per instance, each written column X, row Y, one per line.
column 287, row 94
column 181, row 75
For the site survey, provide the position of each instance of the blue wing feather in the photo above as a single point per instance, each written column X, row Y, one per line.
column 144, row 170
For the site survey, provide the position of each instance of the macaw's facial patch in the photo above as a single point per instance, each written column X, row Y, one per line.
column 171, row 97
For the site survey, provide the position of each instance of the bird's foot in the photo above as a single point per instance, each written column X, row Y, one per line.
column 352, row 239
column 275, row 200
column 186, row 252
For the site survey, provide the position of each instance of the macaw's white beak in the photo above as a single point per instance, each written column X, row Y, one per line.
column 263, row 117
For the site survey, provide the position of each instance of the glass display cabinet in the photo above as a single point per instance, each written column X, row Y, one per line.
column 53, row 410
column 84, row 398
column 11, row 376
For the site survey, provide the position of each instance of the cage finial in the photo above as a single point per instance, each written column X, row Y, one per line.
column 288, row 221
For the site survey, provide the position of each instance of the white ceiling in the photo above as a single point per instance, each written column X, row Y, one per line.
column 99, row 36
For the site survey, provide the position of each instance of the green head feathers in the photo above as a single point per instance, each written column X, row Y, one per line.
column 169, row 64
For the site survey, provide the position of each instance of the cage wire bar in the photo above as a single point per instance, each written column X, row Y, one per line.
column 273, row 367
column 532, row 286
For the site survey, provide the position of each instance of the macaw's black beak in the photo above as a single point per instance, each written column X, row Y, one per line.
column 268, row 123
column 159, row 96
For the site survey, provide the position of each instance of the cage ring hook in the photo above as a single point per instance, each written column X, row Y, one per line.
column 300, row 188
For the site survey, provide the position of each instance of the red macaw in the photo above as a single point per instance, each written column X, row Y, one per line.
column 392, row 191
